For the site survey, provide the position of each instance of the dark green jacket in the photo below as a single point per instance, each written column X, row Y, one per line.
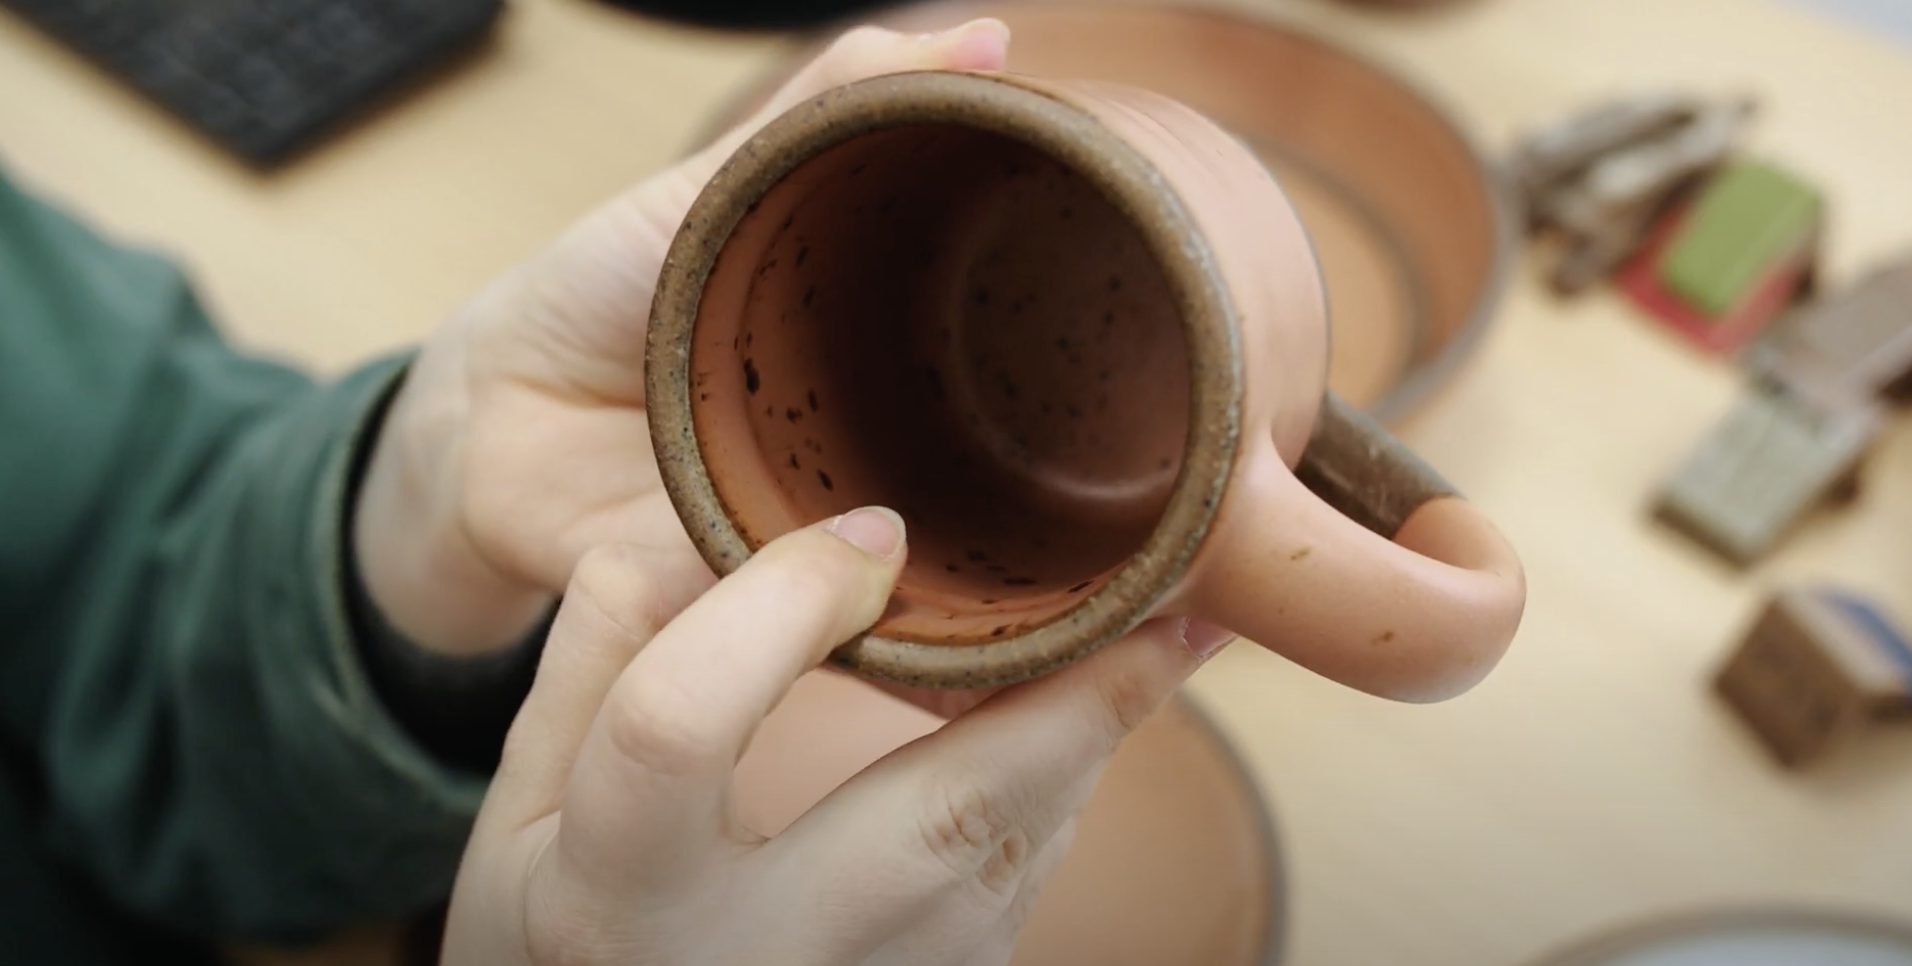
column 190, row 743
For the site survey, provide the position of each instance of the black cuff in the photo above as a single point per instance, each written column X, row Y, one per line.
column 456, row 708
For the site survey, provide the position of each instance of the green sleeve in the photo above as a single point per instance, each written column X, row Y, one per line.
column 175, row 654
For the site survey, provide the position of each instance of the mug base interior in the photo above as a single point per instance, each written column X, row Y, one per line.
column 948, row 322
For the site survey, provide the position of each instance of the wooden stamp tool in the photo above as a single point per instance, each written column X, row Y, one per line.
column 1603, row 176
column 1817, row 669
column 1820, row 379
column 1776, row 456
column 1857, row 340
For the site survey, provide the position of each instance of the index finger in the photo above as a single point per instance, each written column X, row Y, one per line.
column 652, row 783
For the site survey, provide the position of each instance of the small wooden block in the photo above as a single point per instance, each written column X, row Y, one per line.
column 1750, row 217
column 1773, row 458
column 1816, row 670
column 1782, row 285
column 1857, row 340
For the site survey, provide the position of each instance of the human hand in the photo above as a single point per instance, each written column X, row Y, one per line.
column 609, row 837
column 519, row 440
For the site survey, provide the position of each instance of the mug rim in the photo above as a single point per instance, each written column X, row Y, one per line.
column 1019, row 109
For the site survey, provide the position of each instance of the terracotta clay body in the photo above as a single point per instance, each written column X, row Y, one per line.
column 1020, row 312
column 1414, row 227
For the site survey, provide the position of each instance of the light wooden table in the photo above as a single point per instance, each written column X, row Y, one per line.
column 1593, row 780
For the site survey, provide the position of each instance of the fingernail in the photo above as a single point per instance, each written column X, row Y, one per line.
column 994, row 26
column 1203, row 638
column 875, row 530
column 977, row 44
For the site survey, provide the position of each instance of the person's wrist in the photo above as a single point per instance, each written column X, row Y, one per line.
column 413, row 551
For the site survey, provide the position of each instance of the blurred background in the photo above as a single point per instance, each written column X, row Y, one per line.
column 1881, row 15
column 1670, row 378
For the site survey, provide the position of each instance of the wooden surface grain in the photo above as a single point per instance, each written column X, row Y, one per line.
column 1592, row 781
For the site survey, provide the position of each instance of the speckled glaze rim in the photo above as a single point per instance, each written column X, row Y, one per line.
column 1422, row 380
column 1001, row 105
column 1604, row 949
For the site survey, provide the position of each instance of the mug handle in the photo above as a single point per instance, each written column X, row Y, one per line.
column 1364, row 565
column 1361, row 470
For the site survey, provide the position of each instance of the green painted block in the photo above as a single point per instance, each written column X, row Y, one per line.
column 1747, row 218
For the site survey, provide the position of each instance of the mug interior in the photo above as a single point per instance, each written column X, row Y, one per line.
column 950, row 322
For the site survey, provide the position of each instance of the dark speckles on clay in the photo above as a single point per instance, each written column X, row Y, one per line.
column 751, row 380
column 980, row 323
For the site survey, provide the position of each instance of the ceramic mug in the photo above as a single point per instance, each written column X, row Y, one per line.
column 1076, row 335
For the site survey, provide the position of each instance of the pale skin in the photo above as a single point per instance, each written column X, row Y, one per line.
column 515, row 464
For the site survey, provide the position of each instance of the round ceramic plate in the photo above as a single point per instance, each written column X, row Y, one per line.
column 1174, row 861
column 1757, row 937
column 1413, row 228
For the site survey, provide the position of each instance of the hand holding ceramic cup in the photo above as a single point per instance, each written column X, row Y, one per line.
column 1075, row 334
